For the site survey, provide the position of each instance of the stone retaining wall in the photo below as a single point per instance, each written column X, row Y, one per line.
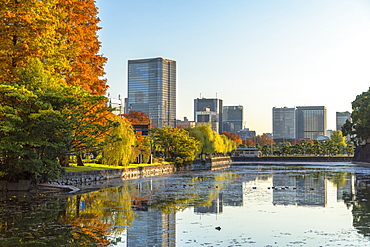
column 211, row 163
column 130, row 173
column 362, row 154
column 73, row 178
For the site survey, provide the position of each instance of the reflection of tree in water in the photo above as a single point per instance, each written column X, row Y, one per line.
column 361, row 206
column 96, row 215
column 36, row 222
column 92, row 219
column 191, row 192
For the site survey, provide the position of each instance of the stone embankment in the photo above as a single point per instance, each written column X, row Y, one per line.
column 75, row 178
column 212, row 163
column 71, row 178
column 362, row 154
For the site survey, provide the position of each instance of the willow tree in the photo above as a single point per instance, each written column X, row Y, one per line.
column 205, row 137
column 118, row 148
column 176, row 144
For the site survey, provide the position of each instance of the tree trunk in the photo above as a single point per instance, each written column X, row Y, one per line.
column 79, row 160
column 64, row 161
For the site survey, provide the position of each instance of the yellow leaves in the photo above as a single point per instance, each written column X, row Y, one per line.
column 62, row 33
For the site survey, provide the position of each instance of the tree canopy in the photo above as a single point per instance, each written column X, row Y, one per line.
column 61, row 33
column 361, row 116
column 42, row 120
column 176, row 144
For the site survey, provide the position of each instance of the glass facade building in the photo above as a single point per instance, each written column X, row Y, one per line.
column 209, row 111
column 152, row 89
column 341, row 118
column 232, row 118
column 283, row 123
column 310, row 122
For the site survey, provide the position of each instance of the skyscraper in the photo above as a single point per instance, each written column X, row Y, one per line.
column 209, row 111
column 283, row 123
column 341, row 118
column 152, row 89
column 232, row 118
column 310, row 122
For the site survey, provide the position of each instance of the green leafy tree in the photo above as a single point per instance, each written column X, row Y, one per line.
column 205, row 137
column 361, row 116
column 339, row 140
column 118, row 146
column 89, row 118
column 265, row 149
column 318, row 147
column 330, row 148
column 34, row 130
column 284, row 147
column 42, row 120
column 176, row 144
column 350, row 148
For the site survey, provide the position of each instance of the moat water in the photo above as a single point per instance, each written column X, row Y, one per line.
column 311, row 204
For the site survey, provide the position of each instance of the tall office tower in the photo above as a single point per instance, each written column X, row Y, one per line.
column 232, row 118
column 310, row 122
column 341, row 118
column 209, row 111
column 283, row 123
column 152, row 89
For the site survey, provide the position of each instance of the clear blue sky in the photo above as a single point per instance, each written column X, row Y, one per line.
column 259, row 54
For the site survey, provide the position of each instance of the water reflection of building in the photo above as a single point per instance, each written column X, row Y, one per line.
column 233, row 194
column 298, row 190
column 152, row 228
column 308, row 191
column 216, row 206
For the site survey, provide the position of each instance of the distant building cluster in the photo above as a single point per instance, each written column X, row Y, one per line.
column 152, row 90
column 303, row 122
column 221, row 118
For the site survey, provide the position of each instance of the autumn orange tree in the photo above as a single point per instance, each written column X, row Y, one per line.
column 233, row 136
column 79, row 26
column 61, row 33
column 301, row 140
column 29, row 29
column 249, row 142
column 135, row 117
column 263, row 140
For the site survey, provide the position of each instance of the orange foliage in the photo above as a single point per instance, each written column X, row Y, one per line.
column 263, row 140
column 80, row 29
column 249, row 142
column 135, row 117
column 302, row 139
column 61, row 33
column 232, row 136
